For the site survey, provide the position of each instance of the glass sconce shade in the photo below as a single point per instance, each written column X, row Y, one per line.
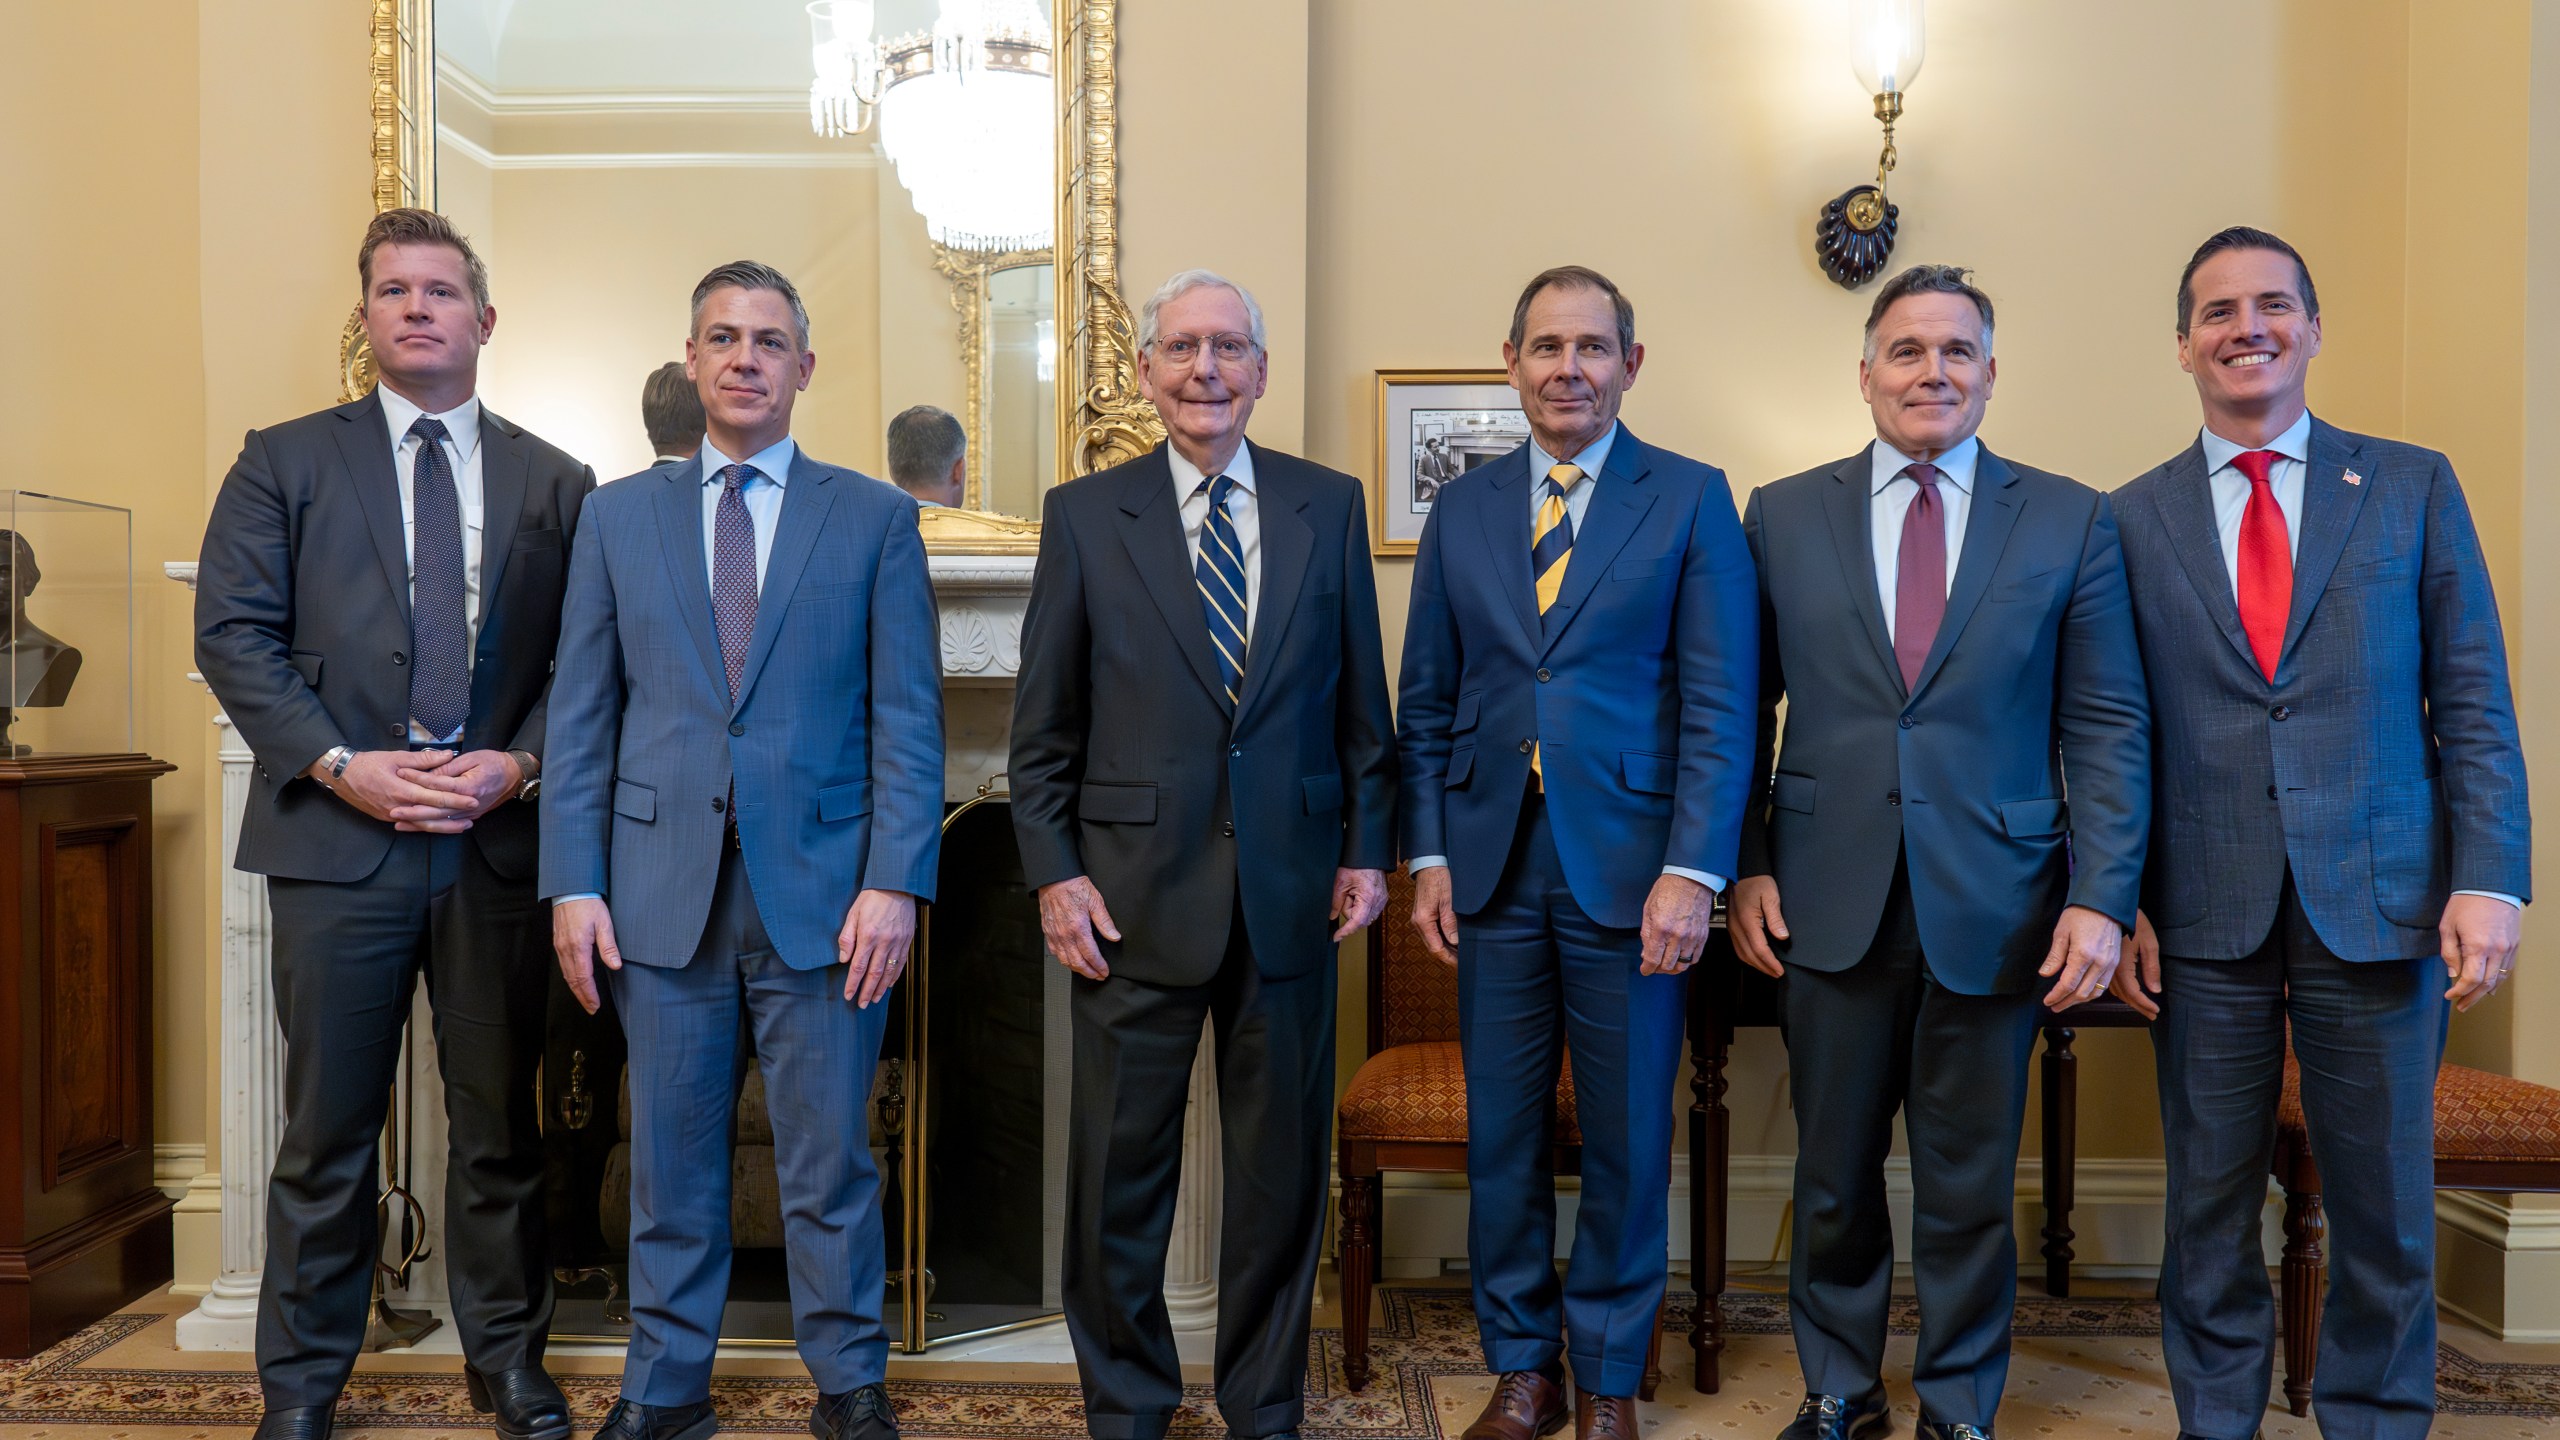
column 1886, row 43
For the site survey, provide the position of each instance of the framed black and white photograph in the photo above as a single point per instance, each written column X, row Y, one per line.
column 1434, row 426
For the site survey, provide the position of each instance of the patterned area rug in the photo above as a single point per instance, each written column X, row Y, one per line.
column 2084, row 1366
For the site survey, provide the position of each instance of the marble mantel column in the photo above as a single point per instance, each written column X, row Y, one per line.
column 982, row 601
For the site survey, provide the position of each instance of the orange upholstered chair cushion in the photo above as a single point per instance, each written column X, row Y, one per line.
column 2479, row 1116
column 1418, row 1092
column 1417, row 995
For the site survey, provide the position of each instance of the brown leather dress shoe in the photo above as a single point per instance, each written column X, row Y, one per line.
column 1604, row 1417
column 1525, row 1405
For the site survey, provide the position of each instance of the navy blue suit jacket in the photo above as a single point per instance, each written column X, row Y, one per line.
column 1638, row 685
column 2033, row 682
column 834, row 746
column 2382, row 764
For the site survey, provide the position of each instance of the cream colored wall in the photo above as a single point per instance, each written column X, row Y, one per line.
column 592, row 272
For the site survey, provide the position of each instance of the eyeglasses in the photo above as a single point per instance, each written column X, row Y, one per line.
column 1228, row 347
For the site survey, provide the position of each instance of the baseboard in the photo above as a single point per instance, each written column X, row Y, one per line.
column 174, row 1167
column 195, row 1238
column 2498, row 1266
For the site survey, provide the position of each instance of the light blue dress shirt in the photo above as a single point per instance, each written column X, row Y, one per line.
column 1577, row 503
column 762, row 494
column 1889, row 500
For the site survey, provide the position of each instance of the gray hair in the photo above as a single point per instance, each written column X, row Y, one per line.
column 1183, row 283
column 753, row 275
column 1928, row 280
column 925, row 441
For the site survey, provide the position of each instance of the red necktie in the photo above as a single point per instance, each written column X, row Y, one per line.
column 2266, row 563
column 1920, row 576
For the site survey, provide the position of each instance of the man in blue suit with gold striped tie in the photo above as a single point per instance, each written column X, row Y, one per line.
column 1580, row 674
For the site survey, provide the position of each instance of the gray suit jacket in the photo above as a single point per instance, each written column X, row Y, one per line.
column 2382, row 764
column 302, row 624
column 2033, row 685
column 832, row 753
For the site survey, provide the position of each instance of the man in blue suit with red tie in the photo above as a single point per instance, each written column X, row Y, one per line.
column 1580, row 677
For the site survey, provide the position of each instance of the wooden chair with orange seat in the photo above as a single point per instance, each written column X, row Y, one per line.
column 2493, row 1132
column 1407, row 1110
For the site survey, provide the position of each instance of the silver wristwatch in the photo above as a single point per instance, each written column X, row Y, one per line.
column 531, row 765
column 337, row 758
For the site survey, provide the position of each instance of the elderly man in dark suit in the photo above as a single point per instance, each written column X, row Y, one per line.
column 1958, row 816
column 2340, row 806
column 376, row 610
column 1204, row 787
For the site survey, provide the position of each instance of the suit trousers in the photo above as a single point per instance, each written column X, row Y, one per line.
column 818, row 1053
column 347, row 958
column 1536, row 973
column 2369, row 1037
column 1862, row 1043
column 1134, row 1045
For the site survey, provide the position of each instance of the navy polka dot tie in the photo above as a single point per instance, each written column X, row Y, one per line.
column 733, row 573
column 439, row 635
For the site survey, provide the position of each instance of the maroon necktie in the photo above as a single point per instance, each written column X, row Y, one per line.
column 1920, row 576
column 2265, row 563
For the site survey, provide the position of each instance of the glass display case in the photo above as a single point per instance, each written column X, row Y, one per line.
column 66, row 655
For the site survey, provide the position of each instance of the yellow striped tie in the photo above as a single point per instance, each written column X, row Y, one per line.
column 1550, row 551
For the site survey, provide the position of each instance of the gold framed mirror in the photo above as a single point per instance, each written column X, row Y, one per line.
column 1100, row 418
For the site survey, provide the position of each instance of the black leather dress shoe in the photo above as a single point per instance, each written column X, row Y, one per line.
column 629, row 1420
column 1945, row 1430
column 863, row 1414
column 1837, row 1417
column 527, row 1402
column 306, row 1422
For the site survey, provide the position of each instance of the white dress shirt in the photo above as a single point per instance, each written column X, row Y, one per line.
column 1889, row 500
column 1241, row 508
column 462, row 457
column 1577, row 503
column 762, row 494
column 2286, row 478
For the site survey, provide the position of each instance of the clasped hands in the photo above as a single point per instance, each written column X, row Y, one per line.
column 2082, row 961
column 434, row 792
column 1677, row 912
column 878, row 937
column 1072, row 914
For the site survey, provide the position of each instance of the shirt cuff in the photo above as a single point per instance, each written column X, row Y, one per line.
column 2494, row 895
column 581, row 895
column 1427, row 862
column 1712, row 882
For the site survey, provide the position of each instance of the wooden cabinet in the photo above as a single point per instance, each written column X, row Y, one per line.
column 82, row 1228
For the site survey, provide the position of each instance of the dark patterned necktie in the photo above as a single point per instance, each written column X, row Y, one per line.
column 733, row 573
column 439, row 635
column 1220, row 573
column 1920, row 576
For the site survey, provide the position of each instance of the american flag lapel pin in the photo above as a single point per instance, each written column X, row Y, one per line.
column 2353, row 478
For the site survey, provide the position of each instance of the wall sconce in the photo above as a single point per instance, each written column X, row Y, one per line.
column 1854, row 236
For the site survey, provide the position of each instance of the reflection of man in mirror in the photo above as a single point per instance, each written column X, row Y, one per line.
column 672, row 412
column 929, row 455
column 41, row 667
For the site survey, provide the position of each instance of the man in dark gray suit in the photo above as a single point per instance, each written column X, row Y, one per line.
column 376, row 610
column 1960, row 809
column 1204, row 790
column 2340, row 802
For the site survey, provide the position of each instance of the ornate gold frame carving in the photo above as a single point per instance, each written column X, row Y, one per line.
column 1102, row 419
column 971, row 273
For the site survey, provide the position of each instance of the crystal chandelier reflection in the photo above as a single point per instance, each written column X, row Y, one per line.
column 967, row 112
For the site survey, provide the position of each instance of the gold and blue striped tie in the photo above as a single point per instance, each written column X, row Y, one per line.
column 1550, row 551
column 1220, row 573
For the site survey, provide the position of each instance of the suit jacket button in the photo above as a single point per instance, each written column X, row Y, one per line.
column 1236, row 753
column 718, row 805
column 2282, row 712
column 2271, row 792
column 1893, row 797
column 1907, row 722
column 1228, row 829
column 399, row 659
column 1528, row 745
column 399, row 730
column 738, row 728
column 1544, row 676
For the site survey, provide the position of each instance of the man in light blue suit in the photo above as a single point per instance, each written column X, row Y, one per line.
column 1581, row 672
column 744, row 807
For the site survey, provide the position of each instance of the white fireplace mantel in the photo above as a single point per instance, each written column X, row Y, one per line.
column 982, row 600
